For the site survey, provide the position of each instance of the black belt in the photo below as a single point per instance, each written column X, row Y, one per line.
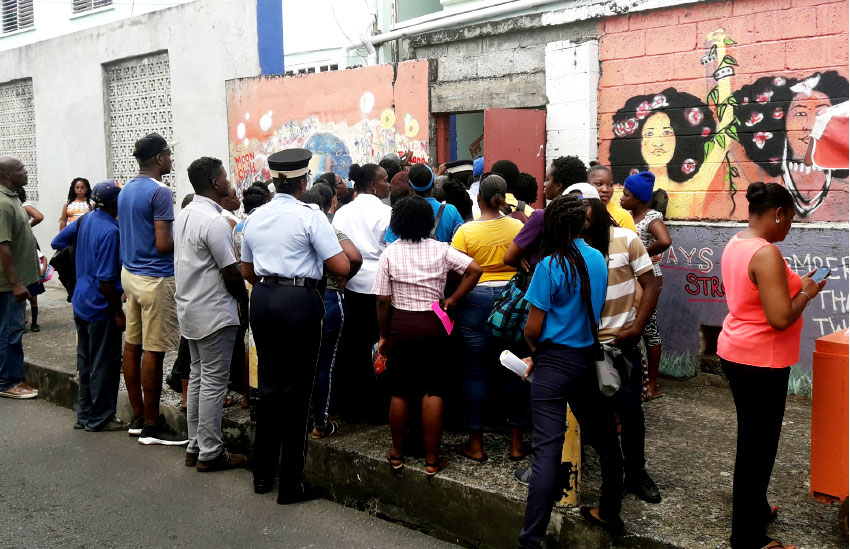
column 288, row 281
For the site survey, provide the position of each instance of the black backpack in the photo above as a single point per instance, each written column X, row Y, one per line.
column 64, row 261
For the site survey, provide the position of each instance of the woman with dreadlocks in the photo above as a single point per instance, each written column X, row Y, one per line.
column 560, row 335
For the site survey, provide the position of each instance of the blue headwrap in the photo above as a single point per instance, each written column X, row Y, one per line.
column 478, row 167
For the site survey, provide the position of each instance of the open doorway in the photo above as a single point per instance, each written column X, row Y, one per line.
column 466, row 136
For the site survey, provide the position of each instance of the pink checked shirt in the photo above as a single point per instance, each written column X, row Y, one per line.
column 414, row 273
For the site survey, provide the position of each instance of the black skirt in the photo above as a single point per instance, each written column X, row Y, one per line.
column 417, row 364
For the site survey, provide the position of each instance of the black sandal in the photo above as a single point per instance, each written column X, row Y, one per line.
column 441, row 464
column 397, row 463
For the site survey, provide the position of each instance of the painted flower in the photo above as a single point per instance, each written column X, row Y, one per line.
column 778, row 113
column 764, row 97
column 755, row 118
column 759, row 138
column 706, row 131
column 746, row 100
column 689, row 166
column 619, row 130
column 694, row 116
column 634, row 171
column 630, row 125
column 659, row 101
column 778, row 81
column 643, row 110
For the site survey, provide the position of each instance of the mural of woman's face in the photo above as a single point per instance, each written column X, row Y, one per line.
column 657, row 140
column 801, row 116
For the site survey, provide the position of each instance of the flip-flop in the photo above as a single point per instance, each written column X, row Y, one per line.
column 614, row 527
column 774, row 544
column 331, row 427
column 397, row 463
column 774, row 512
column 526, row 449
column 648, row 397
column 461, row 452
column 441, row 464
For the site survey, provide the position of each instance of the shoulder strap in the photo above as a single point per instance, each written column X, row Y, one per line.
column 437, row 219
column 594, row 326
column 520, row 206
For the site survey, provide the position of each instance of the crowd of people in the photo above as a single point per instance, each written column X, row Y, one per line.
column 409, row 270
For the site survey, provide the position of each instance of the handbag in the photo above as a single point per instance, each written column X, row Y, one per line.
column 611, row 371
column 507, row 319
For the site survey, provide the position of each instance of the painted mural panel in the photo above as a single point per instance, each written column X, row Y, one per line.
column 343, row 117
column 694, row 295
column 712, row 97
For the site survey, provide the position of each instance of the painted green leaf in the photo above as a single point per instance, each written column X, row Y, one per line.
column 721, row 110
column 713, row 50
column 713, row 95
column 729, row 60
column 732, row 132
column 708, row 146
column 721, row 140
column 729, row 41
column 732, row 100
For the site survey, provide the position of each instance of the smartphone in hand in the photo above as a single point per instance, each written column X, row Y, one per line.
column 821, row 273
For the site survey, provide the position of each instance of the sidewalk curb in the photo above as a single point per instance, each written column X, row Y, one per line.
column 441, row 507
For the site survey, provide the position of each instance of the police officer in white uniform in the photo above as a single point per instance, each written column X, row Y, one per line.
column 284, row 245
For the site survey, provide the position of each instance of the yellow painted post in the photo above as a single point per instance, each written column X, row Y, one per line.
column 571, row 463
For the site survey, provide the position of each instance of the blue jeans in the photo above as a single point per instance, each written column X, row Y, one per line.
column 565, row 375
column 12, row 318
column 99, row 355
column 481, row 352
column 331, row 331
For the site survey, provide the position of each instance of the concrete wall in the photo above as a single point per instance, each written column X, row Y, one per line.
column 694, row 296
column 54, row 19
column 343, row 117
column 208, row 42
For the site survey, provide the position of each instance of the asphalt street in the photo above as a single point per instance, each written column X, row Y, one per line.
column 67, row 488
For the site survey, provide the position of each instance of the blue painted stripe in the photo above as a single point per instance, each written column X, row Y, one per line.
column 270, row 36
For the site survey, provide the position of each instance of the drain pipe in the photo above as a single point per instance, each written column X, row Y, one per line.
column 369, row 42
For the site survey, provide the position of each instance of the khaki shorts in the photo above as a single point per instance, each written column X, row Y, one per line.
column 151, row 312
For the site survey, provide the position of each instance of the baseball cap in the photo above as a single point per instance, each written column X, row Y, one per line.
column 586, row 189
column 105, row 193
column 151, row 145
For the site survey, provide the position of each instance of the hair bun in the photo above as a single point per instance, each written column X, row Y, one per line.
column 756, row 193
column 355, row 172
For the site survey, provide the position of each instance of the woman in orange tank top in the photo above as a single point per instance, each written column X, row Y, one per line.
column 759, row 342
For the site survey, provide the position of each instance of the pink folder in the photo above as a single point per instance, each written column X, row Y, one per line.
column 448, row 323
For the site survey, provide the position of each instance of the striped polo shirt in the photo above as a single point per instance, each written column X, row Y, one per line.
column 627, row 259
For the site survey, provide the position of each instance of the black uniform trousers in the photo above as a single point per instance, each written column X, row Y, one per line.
column 287, row 326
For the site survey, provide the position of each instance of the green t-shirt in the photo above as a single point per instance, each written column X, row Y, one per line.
column 15, row 229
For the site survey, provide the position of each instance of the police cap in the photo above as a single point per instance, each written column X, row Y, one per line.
column 459, row 166
column 290, row 163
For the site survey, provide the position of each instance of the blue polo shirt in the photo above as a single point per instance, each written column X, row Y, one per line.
column 552, row 291
column 449, row 223
column 141, row 202
column 97, row 259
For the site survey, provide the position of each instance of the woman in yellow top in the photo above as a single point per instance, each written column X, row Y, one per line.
column 78, row 203
column 485, row 241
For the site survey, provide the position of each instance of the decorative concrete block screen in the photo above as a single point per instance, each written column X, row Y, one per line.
column 17, row 129
column 713, row 96
column 343, row 117
column 138, row 101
